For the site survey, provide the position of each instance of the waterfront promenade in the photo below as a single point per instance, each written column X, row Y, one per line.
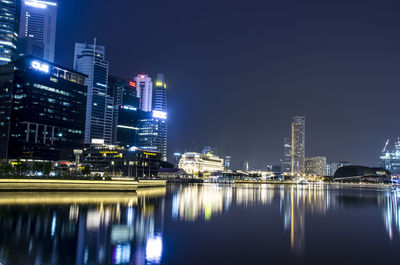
column 76, row 185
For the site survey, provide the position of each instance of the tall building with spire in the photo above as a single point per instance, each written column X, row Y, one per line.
column 90, row 60
column 37, row 29
column 298, row 145
column 9, row 26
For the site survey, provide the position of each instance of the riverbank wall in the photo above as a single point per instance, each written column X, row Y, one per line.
column 76, row 185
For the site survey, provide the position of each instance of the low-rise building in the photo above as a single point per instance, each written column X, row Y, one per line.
column 169, row 173
column 118, row 161
column 196, row 163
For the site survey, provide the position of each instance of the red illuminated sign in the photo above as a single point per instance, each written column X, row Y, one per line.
column 132, row 84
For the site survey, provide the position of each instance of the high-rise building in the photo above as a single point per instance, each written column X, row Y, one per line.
column 298, row 145
column 287, row 156
column 37, row 30
column 315, row 166
column 9, row 27
column 160, row 109
column 90, row 60
column 144, row 91
column 42, row 110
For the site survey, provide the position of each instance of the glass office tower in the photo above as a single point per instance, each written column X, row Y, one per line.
column 37, row 29
column 42, row 110
column 9, row 26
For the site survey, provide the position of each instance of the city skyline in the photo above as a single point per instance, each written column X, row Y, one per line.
column 327, row 76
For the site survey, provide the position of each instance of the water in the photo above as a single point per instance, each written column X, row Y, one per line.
column 203, row 224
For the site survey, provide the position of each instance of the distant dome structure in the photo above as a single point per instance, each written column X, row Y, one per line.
column 369, row 173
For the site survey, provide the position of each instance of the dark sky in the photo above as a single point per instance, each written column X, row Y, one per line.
column 239, row 70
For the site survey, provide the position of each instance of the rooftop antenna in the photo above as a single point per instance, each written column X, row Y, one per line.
column 94, row 48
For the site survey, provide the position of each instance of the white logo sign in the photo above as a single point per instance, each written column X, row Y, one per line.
column 40, row 66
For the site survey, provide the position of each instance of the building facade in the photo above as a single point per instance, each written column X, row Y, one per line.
column 128, row 121
column 90, row 60
column 287, row 156
column 117, row 89
column 144, row 91
column 227, row 162
column 42, row 110
column 119, row 161
column 316, row 166
column 298, row 145
column 37, row 29
column 195, row 163
column 9, row 30
column 160, row 116
column 152, row 132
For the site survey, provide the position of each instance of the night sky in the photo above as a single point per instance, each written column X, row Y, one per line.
column 237, row 71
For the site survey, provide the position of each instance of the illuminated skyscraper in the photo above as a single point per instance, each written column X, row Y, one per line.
column 298, row 144
column 9, row 25
column 160, row 106
column 144, row 91
column 37, row 29
column 90, row 60
column 160, row 99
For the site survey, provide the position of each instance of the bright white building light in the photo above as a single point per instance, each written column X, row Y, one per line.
column 159, row 114
column 154, row 249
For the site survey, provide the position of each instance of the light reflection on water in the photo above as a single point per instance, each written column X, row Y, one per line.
column 202, row 202
column 124, row 228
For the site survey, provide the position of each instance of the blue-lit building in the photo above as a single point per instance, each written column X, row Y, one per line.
column 117, row 88
column 135, row 126
column 152, row 132
column 128, row 119
column 42, row 110
column 390, row 157
column 90, row 60
column 9, row 27
column 37, row 31
column 160, row 115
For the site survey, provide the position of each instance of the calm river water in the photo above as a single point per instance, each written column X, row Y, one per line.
column 203, row 224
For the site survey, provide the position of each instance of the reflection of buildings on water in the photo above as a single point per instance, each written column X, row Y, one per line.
column 295, row 202
column 391, row 212
column 195, row 202
column 112, row 232
column 251, row 195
